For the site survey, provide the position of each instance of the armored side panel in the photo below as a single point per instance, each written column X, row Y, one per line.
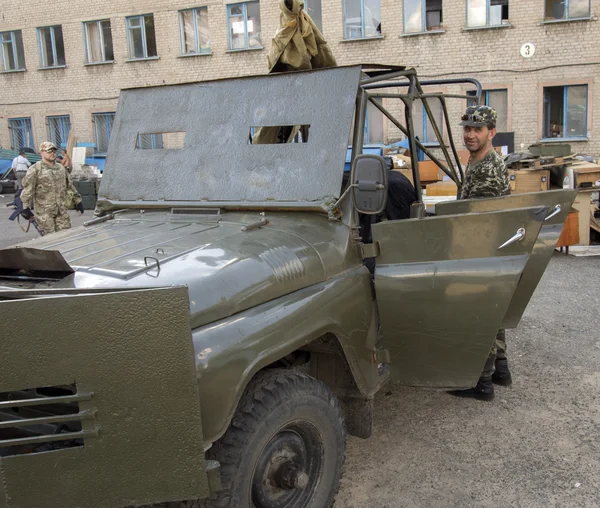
column 214, row 161
column 99, row 403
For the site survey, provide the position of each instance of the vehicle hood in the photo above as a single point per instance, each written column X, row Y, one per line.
column 225, row 268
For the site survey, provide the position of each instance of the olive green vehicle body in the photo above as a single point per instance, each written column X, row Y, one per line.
column 245, row 285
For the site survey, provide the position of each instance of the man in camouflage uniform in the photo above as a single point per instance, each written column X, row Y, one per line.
column 486, row 176
column 45, row 187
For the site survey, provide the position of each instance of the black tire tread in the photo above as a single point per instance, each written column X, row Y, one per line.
column 261, row 395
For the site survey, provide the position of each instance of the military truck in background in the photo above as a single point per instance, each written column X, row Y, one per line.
column 212, row 335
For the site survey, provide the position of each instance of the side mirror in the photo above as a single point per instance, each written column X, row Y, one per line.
column 369, row 183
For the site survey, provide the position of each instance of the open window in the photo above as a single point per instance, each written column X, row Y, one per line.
column 422, row 16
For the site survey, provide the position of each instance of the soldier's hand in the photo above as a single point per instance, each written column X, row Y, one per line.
column 79, row 207
column 27, row 214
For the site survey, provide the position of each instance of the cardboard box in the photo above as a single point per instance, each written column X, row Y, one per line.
column 528, row 180
column 430, row 172
column 447, row 188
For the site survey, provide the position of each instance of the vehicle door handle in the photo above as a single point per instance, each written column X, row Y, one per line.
column 556, row 211
column 517, row 237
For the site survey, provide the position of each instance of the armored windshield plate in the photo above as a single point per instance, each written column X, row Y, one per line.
column 217, row 162
column 130, row 357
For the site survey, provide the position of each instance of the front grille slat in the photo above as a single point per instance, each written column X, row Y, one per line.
column 83, row 415
column 44, row 419
column 65, row 436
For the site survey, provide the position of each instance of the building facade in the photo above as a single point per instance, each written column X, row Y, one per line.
column 62, row 63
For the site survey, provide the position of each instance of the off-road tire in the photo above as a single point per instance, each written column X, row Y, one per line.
column 274, row 400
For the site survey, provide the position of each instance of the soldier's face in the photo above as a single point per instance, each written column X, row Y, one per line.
column 48, row 156
column 477, row 138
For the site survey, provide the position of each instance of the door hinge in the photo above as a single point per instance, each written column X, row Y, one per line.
column 381, row 356
column 369, row 250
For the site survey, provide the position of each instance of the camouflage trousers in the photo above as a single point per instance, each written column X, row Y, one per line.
column 498, row 351
column 52, row 223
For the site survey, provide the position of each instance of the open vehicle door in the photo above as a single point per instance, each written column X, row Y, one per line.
column 99, row 402
column 558, row 202
column 443, row 285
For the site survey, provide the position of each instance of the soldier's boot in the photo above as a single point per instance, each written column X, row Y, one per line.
column 484, row 390
column 502, row 375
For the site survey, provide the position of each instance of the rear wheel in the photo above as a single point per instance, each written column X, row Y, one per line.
column 285, row 447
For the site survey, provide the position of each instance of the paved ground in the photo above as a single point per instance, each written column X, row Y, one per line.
column 536, row 445
column 10, row 232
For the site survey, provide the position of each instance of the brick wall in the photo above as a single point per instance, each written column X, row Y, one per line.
column 565, row 52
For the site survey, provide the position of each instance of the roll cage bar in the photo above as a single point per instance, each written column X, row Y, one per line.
column 374, row 82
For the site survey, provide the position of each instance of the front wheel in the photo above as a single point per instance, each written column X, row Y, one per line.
column 285, row 446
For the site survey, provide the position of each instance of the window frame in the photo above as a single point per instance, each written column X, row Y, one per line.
column 424, row 11
column 109, row 126
column 54, row 50
column 29, row 132
column 487, row 17
column 542, row 109
column 198, row 51
column 142, row 27
column 13, row 41
column 362, row 23
column 567, row 17
column 86, row 41
column 421, row 135
column 65, row 129
column 245, row 14
column 501, row 87
column 306, row 4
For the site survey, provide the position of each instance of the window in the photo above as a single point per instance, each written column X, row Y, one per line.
column 103, row 123
column 422, row 15
column 51, row 46
column 98, row 41
column 151, row 141
column 487, row 13
column 140, row 37
column 374, row 124
column 313, row 9
column 421, row 123
column 244, row 25
column 59, row 128
column 193, row 25
column 362, row 19
column 21, row 133
column 497, row 99
column 565, row 111
column 11, row 52
column 567, row 9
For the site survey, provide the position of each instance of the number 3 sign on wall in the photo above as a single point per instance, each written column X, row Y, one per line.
column 527, row 50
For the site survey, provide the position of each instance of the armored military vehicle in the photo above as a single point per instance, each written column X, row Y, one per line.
column 212, row 335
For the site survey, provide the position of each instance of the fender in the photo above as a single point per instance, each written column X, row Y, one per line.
column 231, row 351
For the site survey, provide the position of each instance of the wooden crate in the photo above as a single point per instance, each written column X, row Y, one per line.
column 587, row 174
column 570, row 233
column 528, row 180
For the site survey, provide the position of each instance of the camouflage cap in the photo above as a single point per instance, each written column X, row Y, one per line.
column 479, row 116
column 46, row 146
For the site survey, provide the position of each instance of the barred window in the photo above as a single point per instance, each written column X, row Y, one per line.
column 103, row 123
column 59, row 128
column 21, row 133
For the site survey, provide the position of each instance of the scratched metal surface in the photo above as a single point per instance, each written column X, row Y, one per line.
column 216, row 162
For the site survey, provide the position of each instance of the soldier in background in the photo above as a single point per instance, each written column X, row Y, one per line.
column 485, row 176
column 46, row 187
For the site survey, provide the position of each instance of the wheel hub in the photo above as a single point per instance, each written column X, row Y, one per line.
column 284, row 476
